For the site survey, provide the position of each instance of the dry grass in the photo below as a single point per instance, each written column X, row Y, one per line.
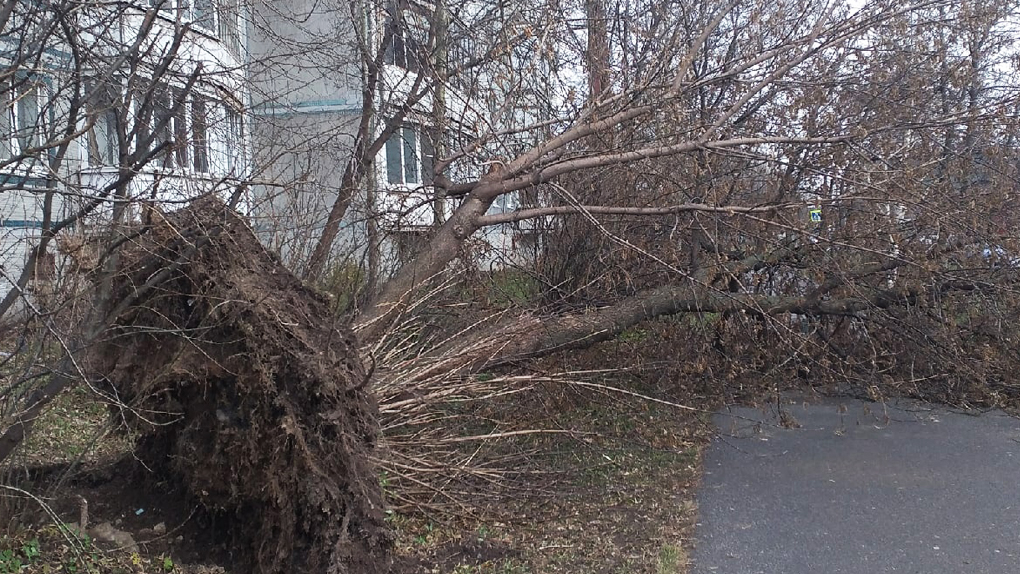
column 610, row 491
column 540, row 468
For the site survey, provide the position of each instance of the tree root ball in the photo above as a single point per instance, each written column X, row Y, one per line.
column 247, row 395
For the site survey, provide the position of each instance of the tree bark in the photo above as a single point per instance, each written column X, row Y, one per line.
column 533, row 336
column 394, row 296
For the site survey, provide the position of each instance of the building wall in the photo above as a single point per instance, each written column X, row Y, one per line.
column 307, row 85
column 306, row 103
column 205, row 147
column 300, row 158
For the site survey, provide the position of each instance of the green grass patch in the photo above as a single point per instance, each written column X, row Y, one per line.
column 511, row 287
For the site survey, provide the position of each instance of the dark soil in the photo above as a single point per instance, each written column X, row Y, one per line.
column 120, row 493
column 250, row 401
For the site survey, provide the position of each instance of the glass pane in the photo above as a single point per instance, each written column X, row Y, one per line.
column 103, row 139
column 142, row 113
column 112, row 150
column 162, row 122
column 199, row 123
column 227, row 23
column 203, row 14
column 399, row 57
column 410, row 156
column 389, row 57
column 393, row 167
column 180, row 129
column 411, row 49
column 233, row 139
column 28, row 116
column 428, row 158
column 6, row 123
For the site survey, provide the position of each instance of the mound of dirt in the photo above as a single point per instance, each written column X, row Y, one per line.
column 247, row 395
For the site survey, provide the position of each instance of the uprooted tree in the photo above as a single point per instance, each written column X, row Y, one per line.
column 835, row 176
column 826, row 188
column 261, row 413
column 830, row 189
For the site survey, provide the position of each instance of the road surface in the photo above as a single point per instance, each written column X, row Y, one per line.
column 860, row 488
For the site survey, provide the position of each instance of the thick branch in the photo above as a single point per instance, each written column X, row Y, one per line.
column 534, row 337
column 524, row 214
column 495, row 188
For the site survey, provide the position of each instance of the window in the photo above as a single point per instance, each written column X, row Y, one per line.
column 169, row 128
column 103, row 145
column 163, row 123
column 180, row 129
column 200, row 132
column 166, row 119
column 234, row 141
column 23, row 114
column 218, row 17
column 409, row 157
column 6, row 123
column 29, row 128
column 229, row 32
column 165, row 6
column 428, row 158
column 462, row 46
column 103, row 137
column 401, row 157
column 401, row 50
column 203, row 14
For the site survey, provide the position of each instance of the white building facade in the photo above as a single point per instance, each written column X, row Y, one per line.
column 107, row 106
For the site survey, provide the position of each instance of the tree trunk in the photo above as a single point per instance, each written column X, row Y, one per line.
column 444, row 247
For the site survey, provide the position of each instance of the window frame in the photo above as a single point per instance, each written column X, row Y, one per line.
column 29, row 137
column 110, row 119
column 9, row 148
column 220, row 19
column 189, row 130
column 16, row 143
column 207, row 22
column 163, row 113
column 228, row 24
column 39, row 88
column 233, row 141
column 180, row 130
column 199, row 124
column 396, row 156
column 402, row 50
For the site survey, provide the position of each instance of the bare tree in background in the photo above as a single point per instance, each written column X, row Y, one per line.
column 670, row 158
column 733, row 85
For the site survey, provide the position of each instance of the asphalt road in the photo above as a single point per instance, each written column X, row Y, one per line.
column 905, row 487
